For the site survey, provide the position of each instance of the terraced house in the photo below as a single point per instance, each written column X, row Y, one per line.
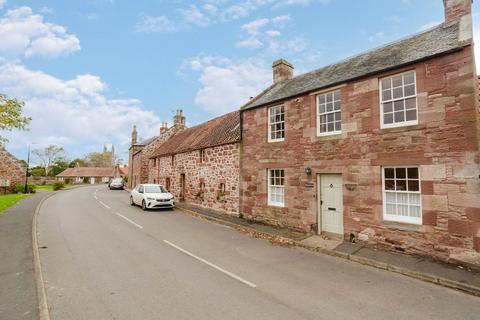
column 382, row 147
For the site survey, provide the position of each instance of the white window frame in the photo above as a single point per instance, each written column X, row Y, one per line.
column 270, row 186
column 270, row 124
column 334, row 132
column 398, row 218
column 380, row 94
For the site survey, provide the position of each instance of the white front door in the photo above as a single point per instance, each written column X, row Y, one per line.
column 92, row 180
column 330, row 203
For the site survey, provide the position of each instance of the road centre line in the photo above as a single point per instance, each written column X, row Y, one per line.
column 128, row 220
column 228, row 273
column 103, row 204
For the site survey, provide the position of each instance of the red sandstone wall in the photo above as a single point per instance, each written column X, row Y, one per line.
column 221, row 166
column 11, row 169
column 444, row 144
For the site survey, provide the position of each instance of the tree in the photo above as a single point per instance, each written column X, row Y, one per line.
column 58, row 167
column 49, row 156
column 96, row 159
column 11, row 115
column 77, row 162
column 37, row 171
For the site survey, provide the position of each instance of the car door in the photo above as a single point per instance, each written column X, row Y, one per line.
column 140, row 195
column 135, row 195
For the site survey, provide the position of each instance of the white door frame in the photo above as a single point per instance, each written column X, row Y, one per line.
column 319, row 201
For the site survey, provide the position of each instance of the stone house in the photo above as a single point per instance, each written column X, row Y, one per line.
column 12, row 171
column 140, row 152
column 90, row 175
column 382, row 147
column 200, row 165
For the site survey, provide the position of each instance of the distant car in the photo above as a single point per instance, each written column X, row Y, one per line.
column 151, row 196
column 116, row 184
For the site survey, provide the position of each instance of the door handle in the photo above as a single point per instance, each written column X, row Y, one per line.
column 321, row 202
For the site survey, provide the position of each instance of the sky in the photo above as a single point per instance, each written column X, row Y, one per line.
column 89, row 70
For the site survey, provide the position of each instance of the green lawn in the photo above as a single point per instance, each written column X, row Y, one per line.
column 48, row 187
column 9, row 200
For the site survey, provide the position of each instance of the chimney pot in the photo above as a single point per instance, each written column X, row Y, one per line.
column 134, row 135
column 282, row 70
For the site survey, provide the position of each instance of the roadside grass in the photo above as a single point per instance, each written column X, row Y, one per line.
column 48, row 187
column 9, row 200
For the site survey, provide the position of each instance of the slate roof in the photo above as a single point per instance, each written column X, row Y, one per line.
column 146, row 141
column 435, row 41
column 87, row 172
column 219, row 131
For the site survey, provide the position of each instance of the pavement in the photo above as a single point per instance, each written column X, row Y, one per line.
column 18, row 294
column 453, row 276
column 103, row 259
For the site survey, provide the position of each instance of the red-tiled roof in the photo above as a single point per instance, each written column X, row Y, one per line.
column 86, row 172
column 219, row 131
column 123, row 170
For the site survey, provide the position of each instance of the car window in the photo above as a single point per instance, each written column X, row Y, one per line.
column 154, row 189
column 140, row 189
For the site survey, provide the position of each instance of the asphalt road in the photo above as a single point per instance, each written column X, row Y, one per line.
column 107, row 260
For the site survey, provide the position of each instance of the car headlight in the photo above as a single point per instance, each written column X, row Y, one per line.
column 150, row 199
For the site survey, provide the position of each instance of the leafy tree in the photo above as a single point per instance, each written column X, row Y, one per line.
column 58, row 167
column 11, row 115
column 49, row 156
column 77, row 162
column 96, row 159
column 37, row 171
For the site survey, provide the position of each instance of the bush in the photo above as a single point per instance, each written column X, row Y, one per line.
column 57, row 185
column 20, row 188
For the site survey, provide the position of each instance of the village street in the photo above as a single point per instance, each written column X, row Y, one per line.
column 103, row 259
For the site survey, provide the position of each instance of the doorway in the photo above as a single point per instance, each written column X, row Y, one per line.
column 182, row 187
column 330, row 204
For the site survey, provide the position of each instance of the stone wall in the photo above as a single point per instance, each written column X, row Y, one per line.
column 444, row 145
column 221, row 166
column 10, row 169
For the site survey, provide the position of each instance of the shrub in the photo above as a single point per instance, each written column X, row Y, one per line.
column 57, row 185
column 20, row 188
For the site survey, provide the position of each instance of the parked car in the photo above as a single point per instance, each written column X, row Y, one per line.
column 116, row 184
column 151, row 196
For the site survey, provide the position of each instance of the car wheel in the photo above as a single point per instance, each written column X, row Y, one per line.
column 144, row 206
column 131, row 201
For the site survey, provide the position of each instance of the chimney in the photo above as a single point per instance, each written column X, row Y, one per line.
column 455, row 10
column 163, row 128
column 179, row 119
column 282, row 70
column 134, row 135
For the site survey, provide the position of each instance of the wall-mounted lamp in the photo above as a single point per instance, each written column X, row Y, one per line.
column 308, row 171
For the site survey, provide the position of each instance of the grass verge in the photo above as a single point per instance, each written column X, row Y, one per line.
column 9, row 200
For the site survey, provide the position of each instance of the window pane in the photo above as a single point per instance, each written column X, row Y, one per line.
column 338, row 116
column 415, row 211
column 398, row 105
column 321, row 108
column 330, row 126
column 402, row 210
column 336, row 105
column 387, row 107
column 338, row 126
column 321, row 99
column 387, row 95
column 397, row 81
column 336, row 95
column 388, row 118
column 389, row 173
column 399, row 116
column 401, row 173
column 411, row 103
column 410, row 90
column 401, row 185
column 402, row 198
column 390, row 185
column 386, row 83
column 330, row 117
column 411, row 115
column 391, row 209
column 391, row 197
column 329, row 107
column 412, row 173
column 413, row 185
column 414, row 198
column 323, row 128
column 397, row 93
column 409, row 78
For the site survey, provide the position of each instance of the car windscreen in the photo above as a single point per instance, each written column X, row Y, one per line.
column 154, row 189
column 117, row 180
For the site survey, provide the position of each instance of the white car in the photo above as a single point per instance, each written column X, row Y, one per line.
column 151, row 196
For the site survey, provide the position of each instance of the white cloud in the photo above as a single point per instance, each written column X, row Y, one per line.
column 376, row 37
column 24, row 33
column 149, row 24
column 254, row 26
column 257, row 38
column 194, row 16
column 2, row 3
column 46, row 10
column 73, row 113
column 251, row 43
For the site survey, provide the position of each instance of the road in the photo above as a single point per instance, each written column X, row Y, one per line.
column 103, row 259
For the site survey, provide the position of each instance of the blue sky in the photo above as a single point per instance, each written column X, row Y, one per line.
column 88, row 70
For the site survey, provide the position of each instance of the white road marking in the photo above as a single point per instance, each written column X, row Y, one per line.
column 126, row 219
column 103, row 204
column 228, row 273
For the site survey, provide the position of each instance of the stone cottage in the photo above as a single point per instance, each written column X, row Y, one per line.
column 200, row 165
column 382, row 147
column 140, row 152
column 12, row 171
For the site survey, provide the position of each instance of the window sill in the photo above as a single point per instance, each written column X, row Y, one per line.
column 276, row 205
column 404, row 226
column 329, row 134
column 277, row 140
column 400, row 125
